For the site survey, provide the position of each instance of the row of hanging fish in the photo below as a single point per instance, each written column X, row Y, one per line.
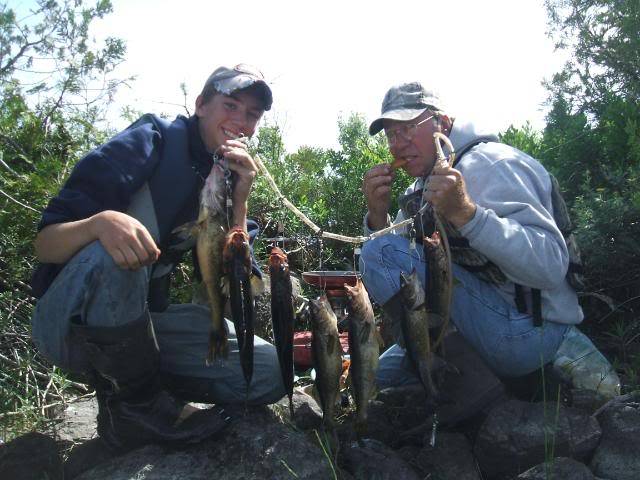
column 364, row 350
column 224, row 254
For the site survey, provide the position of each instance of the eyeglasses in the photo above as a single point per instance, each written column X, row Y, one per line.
column 406, row 131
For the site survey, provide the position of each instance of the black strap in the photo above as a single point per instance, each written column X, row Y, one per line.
column 521, row 303
column 536, row 303
column 536, row 307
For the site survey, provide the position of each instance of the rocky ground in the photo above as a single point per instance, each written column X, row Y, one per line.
column 487, row 430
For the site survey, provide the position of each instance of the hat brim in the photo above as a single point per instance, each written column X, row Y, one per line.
column 242, row 82
column 403, row 115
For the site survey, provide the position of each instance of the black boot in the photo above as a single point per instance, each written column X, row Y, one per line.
column 134, row 409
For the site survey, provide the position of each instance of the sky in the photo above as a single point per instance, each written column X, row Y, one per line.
column 327, row 59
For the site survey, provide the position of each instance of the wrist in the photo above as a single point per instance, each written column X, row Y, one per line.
column 464, row 215
column 377, row 221
column 240, row 210
column 93, row 225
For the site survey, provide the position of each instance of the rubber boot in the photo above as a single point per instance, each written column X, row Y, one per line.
column 133, row 407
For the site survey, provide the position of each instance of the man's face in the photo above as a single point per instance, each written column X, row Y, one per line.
column 225, row 117
column 412, row 141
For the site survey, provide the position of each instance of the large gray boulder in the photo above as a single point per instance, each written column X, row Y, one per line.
column 618, row 455
column 518, row 435
column 256, row 445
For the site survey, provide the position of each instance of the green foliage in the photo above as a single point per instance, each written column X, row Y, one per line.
column 591, row 144
column 47, row 121
column 525, row 138
column 324, row 184
column 603, row 38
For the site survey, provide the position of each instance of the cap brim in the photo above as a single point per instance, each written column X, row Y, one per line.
column 241, row 82
column 403, row 115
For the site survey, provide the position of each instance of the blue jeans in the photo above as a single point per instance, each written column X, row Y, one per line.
column 92, row 286
column 503, row 337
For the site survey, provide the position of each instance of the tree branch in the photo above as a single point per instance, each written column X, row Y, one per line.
column 18, row 202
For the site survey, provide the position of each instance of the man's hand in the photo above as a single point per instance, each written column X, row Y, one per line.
column 126, row 239
column 447, row 192
column 376, row 187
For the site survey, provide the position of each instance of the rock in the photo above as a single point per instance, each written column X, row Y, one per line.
column 372, row 460
column 450, row 459
column 78, row 421
column 307, row 414
column 618, row 455
column 395, row 411
column 30, row 456
column 255, row 445
column 85, row 456
column 561, row 468
column 518, row 435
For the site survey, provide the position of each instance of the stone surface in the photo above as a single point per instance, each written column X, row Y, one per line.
column 372, row 460
column 562, row 468
column 78, row 421
column 618, row 455
column 451, row 458
column 256, row 445
column 518, row 435
column 307, row 414
column 30, row 456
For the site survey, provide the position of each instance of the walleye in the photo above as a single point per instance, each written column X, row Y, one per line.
column 236, row 257
column 210, row 227
column 327, row 356
column 415, row 330
column 282, row 316
column 364, row 351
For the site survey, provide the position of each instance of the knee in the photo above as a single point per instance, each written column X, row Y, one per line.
column 107, row 272
column 372, row 249
column 269, row 386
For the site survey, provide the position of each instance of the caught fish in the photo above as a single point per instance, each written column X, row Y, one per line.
column 283, row 317
column 327, row 356
column 439, row 281
column 364, row 351
column 210, row 227
column 415, row 330
column 236, row 257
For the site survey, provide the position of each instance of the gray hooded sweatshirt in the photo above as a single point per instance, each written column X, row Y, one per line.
column 513, row 225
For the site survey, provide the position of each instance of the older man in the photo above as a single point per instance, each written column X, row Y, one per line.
column 496, row 202
column 107, row 244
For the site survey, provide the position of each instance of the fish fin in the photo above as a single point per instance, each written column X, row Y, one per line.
column 192, row 228
column 257, row 285
column 379, row 339
column 225, row 286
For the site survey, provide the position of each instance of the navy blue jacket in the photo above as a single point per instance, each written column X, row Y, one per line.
column 151, row 150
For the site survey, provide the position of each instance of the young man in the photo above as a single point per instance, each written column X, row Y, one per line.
column 497, row 204
column 108, row 235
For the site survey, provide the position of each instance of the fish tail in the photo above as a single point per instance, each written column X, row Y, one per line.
column 218, row 346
